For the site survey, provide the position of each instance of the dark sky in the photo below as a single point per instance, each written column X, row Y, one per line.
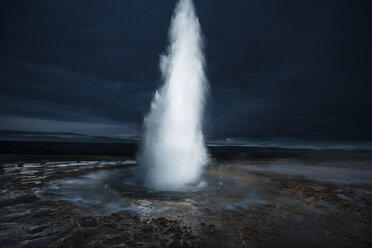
column 277, row 69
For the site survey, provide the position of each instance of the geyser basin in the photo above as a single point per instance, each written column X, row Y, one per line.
column 267, row 203
column 124, row 183
column 234, row 186
column 107, row 192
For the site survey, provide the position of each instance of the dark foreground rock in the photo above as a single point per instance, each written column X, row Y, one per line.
column 28, row 221
column 48, row 224
column 296, row 213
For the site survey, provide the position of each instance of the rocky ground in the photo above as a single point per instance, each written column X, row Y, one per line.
column 27, row 221
column 297, row 213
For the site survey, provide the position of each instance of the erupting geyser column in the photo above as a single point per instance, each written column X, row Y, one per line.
column 172, row 154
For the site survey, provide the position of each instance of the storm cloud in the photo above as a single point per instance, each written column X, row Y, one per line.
column 276, row 69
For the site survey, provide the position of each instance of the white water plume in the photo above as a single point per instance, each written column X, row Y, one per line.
column 172, row 153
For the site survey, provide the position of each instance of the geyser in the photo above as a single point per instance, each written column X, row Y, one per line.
column 172, row 153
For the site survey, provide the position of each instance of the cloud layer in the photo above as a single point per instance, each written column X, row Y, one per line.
column 276, row 69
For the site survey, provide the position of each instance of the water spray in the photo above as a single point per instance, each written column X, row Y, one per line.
column 172, row 153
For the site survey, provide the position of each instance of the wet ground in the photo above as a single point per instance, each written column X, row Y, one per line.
column 257, row 203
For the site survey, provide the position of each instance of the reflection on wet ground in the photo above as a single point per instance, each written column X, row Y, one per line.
column 106, row 192
column 281, row 203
